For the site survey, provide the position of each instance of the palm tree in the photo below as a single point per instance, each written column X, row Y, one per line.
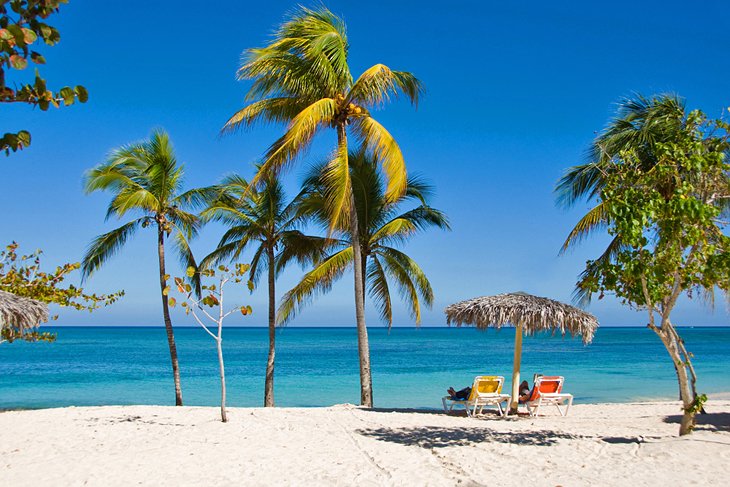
column 303, row 78
column 381, row 227
column 639, row 125
column 145, row 178
column 263, row 219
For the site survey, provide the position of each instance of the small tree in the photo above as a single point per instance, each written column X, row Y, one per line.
column 22, row 276
column 21, row 26
column 671, row 219
column 213, row 297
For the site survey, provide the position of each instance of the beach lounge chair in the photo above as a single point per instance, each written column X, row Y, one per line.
column 486, row 391
column 548, row 391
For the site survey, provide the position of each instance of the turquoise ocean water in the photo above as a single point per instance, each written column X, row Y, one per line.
column 319, row 366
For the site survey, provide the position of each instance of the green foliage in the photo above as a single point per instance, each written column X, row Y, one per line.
column 22, row 276
column 146, row 180
column 212, row 294
column 671, row 219
column 382, row 228
column 302, row 78
column 261, row 218
column 22, row 27
column 640, row 124
column 698, row 404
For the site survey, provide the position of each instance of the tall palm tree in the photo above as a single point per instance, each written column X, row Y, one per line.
column 302, row 78
column 263, row 219
column 640, row 124
column 382, row 227
column 146, row 179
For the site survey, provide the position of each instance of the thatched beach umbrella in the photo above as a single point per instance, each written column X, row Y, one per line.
column 528, row 314
column 21, row 313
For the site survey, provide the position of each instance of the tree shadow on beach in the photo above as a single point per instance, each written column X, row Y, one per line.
column 438, row 412
column 131, row 419
column 705, row 422
column 440, row 437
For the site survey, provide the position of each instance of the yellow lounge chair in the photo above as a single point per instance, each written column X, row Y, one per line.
column 486, row 391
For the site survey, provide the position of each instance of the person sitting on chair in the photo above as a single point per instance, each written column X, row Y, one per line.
column 461, row 395
column 524, row 392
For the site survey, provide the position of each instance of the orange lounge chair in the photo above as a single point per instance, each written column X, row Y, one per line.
column 548, row 391
column 486, row 390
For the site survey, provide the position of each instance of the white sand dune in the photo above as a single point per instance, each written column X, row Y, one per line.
column 603, row 444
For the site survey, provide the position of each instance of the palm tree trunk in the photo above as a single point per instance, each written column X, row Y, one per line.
column 269, row 386
column 363, row 347
column 166, row 316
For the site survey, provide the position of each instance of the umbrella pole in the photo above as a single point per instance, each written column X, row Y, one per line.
column 516, row 370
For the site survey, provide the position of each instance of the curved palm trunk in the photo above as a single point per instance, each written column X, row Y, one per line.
column 166, row 316
column 363, row 347
column 269, row 385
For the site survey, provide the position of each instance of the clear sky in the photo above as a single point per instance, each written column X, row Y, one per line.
column 515, row 93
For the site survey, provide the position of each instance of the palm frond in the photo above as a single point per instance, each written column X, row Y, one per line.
column 379, row 290
column 303, row 249
column 581, row 294
column 297, row 137
column 132, row 198
column 336, row 189
column 256, row 268
column 317, row 281
column 386, row 151
column 582, row 181
column 187, row 259
column 103, row 247
column 400, row 271
column 592, row 221
column 269, row 110
column 379, row 83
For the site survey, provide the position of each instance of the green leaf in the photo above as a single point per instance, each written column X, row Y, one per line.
column 68, row 95
column 190, row 272
column 37, row 58
column 46, row 32
column 81, row 93
column 166, row 291
column 172, row 302
column 17, row 33
column 29, row 36
column 18, row 62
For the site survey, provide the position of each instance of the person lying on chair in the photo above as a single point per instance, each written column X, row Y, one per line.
column 461, row 395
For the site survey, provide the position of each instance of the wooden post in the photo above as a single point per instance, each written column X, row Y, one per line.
column 516, row 370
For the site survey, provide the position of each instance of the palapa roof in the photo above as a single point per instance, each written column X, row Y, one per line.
column 534, row 313
column 23, row 313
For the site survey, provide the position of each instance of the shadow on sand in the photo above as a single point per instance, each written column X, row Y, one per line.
column 439, row 437
column 705, row 422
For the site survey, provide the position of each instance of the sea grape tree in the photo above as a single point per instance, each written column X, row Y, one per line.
column 22, row 30
column 212, row 298
column 22, row 275
column 672, row 221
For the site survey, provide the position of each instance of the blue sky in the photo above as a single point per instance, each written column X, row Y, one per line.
column 515, row 93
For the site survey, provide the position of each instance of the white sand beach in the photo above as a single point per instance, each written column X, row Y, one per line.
column 603, row 444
